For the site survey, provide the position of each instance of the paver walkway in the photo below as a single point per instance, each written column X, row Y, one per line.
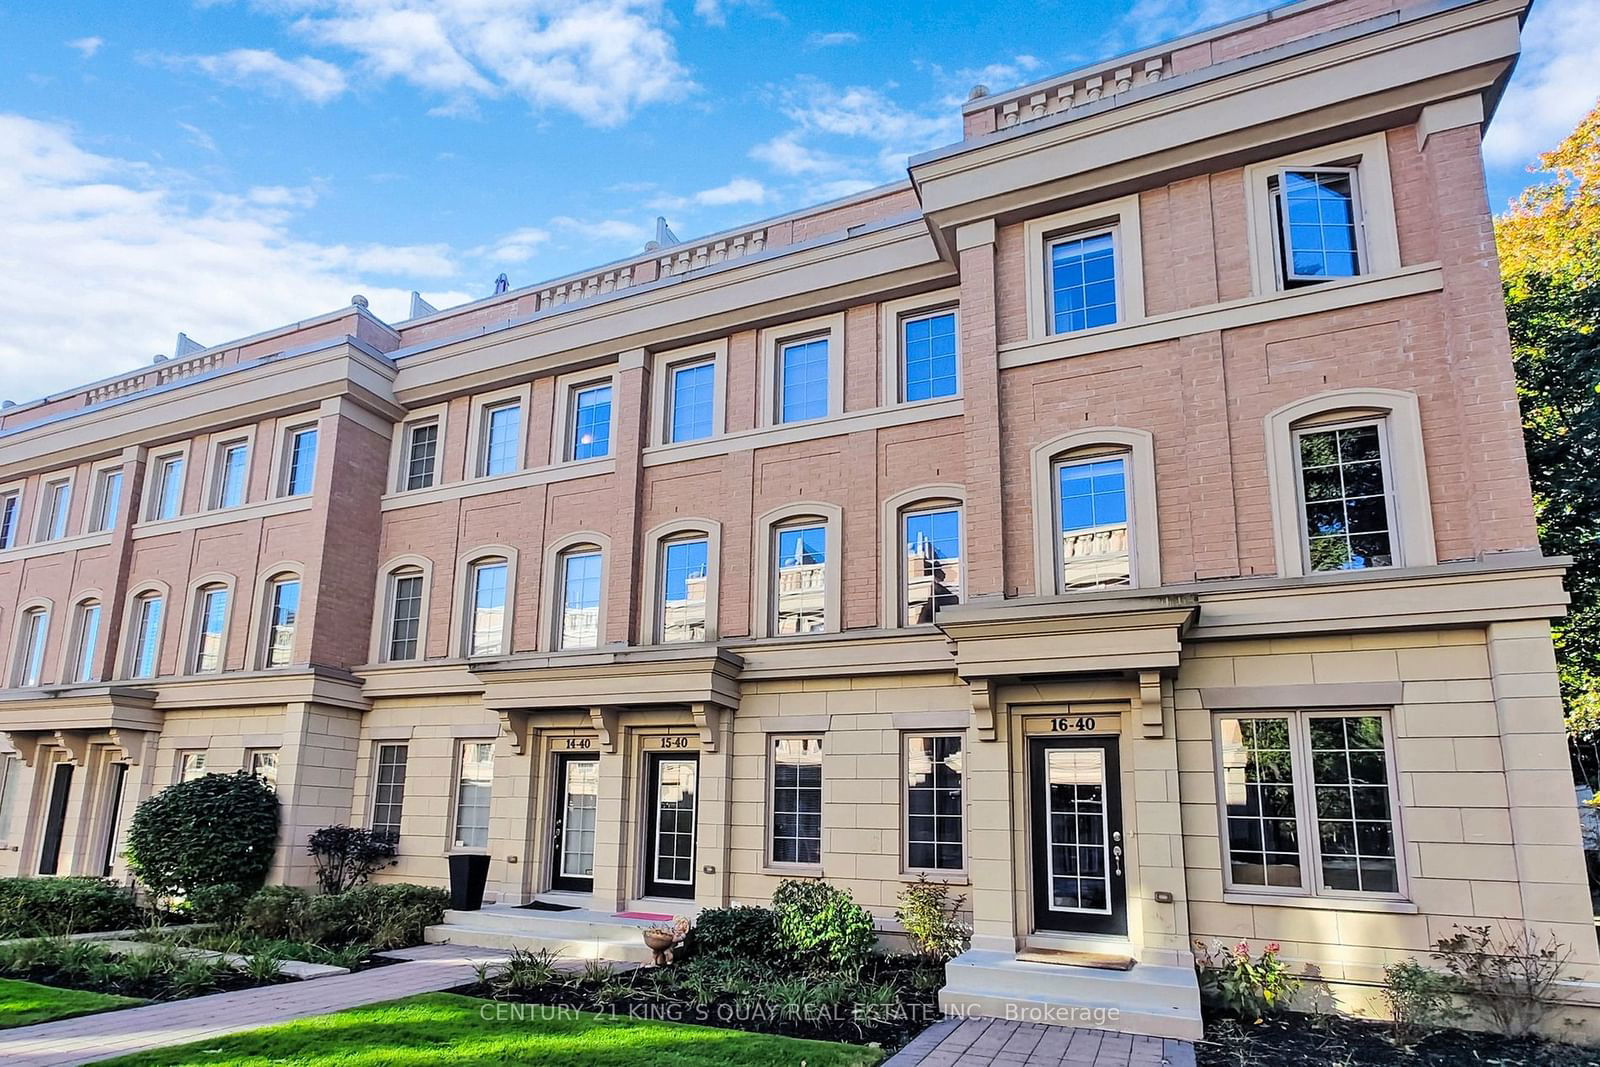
column 116, row 1033
column 976, row 1042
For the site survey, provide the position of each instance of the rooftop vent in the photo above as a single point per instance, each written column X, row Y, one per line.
column 978, row 92
column 160, row 358
column 358, row 301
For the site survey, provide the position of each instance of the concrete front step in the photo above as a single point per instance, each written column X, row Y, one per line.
column 579, row 934
column 1150, row 1000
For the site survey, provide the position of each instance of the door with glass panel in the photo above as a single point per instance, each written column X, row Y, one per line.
column 670, row 824
column 577, row 794
column 1078, row 853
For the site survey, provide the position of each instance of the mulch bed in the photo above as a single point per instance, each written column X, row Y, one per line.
column 1331, row 1041
column 889, row 1027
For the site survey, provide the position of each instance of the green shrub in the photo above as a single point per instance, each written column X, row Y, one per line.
column 1239, row 984
column 220, row 904
column 928, row 912
column 742, row 933
column 218, row 829
column 347, row 856
column 39, row 907
column 383, row 916
column 277, row 912
column 822, row 927
column 1421, row 1000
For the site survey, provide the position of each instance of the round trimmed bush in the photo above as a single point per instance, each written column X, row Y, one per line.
column 822, row 927
column 218, row 829
column 736, row 933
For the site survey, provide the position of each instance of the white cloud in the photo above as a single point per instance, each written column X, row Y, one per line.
column 786, row 155
column 606, row 232
column 198, row 137
column 314, row 79
column 736, row 191
column 600, row 59
column 87, row 46
column 834, row 39
column 105, row 260
column 1151, row 21
column 518, row 246
column 1556, row 82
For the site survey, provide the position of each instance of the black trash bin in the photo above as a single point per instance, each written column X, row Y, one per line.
column 468, row 872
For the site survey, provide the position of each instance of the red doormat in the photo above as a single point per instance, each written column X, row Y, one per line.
column 644, row 915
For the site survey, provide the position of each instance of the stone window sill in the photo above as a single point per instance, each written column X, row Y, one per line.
column 1269, row 900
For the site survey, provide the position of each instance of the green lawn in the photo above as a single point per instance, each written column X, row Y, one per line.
column 25, row 1003
column 445, row 1028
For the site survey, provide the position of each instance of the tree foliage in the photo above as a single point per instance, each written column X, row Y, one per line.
column 218, row 829
column 1549, row 243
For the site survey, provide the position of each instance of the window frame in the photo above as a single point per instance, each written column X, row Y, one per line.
column 31, row 647
column 771, row 796
column 1120, row 215
column 79, row 649
column 134, row 630
column 378, row 766
column 1390, row 501
column 217, row 481
column 663, row 548
column 399, row 448
column 653, row 577
column 268, row 627
column 10, row 515
column 893, row 315
column 253, row 754
column 1378, row 238
column 1111, row 230
column 290, row 437
column 487, row 558
column 1307, row 831
column 570, row 395
column 482, row 458
column 895, row 510
column 1079, row 458
column 187, row 758
column 53, row 522
column 455, row 796
column 1144, row 550
column 564, row 560
column 772, row 340
column 959, row 872
column 197, row 631
column 408, row 448
column 394, row 576
column 1280, row 248
column 156, row 484
column 774, row 536
column 763, row 573
column 664, row 365
column 104, row 506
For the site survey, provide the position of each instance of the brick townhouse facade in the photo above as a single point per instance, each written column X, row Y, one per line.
column 1125, row 520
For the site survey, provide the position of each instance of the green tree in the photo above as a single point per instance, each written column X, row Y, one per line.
column 1549, row 241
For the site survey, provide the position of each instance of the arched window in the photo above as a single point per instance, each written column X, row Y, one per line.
column 797, row 571
column 281, row 604
column 210, row 627
column 402, row 639
column 1095, row 512
column 680, row 574
column 145, row 619
column 85, row 642
column 582, row 591
column 1349, row 483
column 923, row 561
column 33, row 631
column 488, row 582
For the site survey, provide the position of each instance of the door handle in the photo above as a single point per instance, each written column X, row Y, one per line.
column 1116, row 853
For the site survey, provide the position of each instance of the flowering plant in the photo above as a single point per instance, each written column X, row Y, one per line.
column 1241, row 984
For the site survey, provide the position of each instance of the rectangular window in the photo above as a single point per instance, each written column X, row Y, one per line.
column 168, row 497
column 488, row 610
column 107, row 501
column 800, row 579
column 931, row 563
column 30, row 654
column 1082, row 287
column 928, row 356
column 1092, row 514
column 500, row 451
column 147, row 637
column 473, row 790
column 209, row 622
column 683, row 591
column 580, row 600
column 285, row 611
column 88, row 637
column 10, row 790
column 1346, row 497
column 233, row 459
column 1309, row 792
column 10, row 506
column 405, row 616
column 935, row 803
column 300, row 461
column 1317, row 227
column 389, row 791
column 264, row 765
column 57, row 505
column 802, row 387
column 590, row 420
column 797, row 800
column 422, row 455
column 191, row 765
column 690, row 401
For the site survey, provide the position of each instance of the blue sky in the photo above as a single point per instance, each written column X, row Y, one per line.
column 224, row 166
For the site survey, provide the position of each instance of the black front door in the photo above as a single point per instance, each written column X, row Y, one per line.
column 116, row 779
column 1079, row 879
column 670, row 824
column 55, row 819
column 577, row 794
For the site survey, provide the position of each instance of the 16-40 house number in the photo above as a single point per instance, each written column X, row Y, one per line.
column 1072, row 724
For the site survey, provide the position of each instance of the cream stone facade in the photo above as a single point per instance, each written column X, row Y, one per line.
column 1177, row 396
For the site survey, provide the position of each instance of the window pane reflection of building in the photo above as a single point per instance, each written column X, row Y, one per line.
column 932, row 567
column 1093, row 501
column 683, row 591
column 800, row 580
